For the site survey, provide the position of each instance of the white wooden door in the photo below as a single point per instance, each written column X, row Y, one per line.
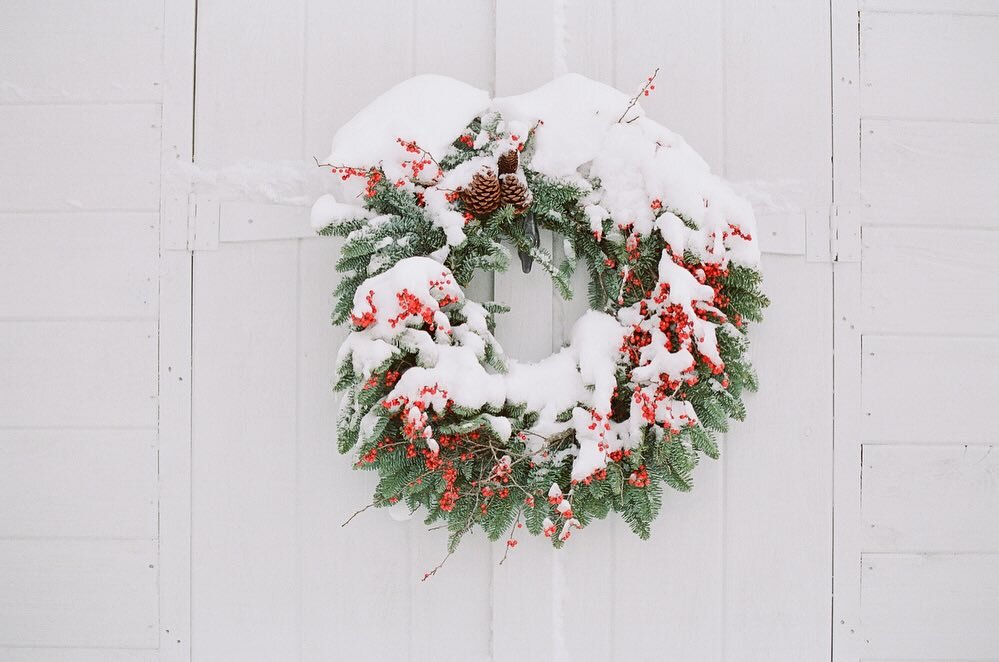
column 916, row 172
column 739, row 569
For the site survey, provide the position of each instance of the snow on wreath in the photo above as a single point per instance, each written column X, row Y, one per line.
column 434, row 179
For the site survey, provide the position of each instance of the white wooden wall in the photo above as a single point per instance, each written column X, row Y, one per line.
column 917, row 331
column 169, row 484
column 83, row 430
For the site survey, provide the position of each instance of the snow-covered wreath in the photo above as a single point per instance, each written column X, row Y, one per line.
column 439, row 178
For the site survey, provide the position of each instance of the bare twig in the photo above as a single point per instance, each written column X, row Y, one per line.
column 635, row 98
column 437, row 567
column 370, row 505
column 513, row 529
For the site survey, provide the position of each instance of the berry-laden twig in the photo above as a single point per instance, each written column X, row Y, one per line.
column 644, row 92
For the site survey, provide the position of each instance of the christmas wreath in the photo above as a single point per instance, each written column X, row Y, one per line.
column 441, row 179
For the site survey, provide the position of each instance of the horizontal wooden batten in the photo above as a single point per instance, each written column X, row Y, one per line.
column 930, row 606
column 42, row 654
column 930, row 498
column 929, row 389
column 71, row 593
column 78, row 373
column 80, row 157
column 46, row 494
column 948, row 60
column 930, row 173
column 947, row 276
column 80, row 54
column 93, row 265
column 935, row 7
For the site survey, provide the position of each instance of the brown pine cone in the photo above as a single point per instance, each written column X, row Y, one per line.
column 508, row 162
column 515, row 192
column 482, row 195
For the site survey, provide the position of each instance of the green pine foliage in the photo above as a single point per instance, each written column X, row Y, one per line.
column 459, row 487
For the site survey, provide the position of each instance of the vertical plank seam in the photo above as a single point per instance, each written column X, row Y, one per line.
column 299, row 613
column 299, row 525
column 724, row 468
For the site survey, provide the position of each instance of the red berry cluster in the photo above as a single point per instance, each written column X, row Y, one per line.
column 368, row 318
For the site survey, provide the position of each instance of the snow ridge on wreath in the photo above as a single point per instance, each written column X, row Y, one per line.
column 445, row 177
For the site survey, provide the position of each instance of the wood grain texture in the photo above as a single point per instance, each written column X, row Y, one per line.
column 78, row 483
column 929, row 389
column 947, row 58
column 357, row 580
column 79, row 374
column 93, row 265
column 250, row 81
column 58, row 52
column 93, row 157
column 930, row 606
column 943, row 280
column 42, row 654
column 78, row 593
column 664, row 35
column 930, row 173
column 931, row 498
column 245, row 584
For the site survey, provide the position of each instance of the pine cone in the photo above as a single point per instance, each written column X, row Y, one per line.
column 515, row 192
column 508, row 162
column 482, row 195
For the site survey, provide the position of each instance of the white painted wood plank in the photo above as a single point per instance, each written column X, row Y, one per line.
column 80, row 157
column 526, row 58
column 245, row 581
column 950, row 65
column 928, row 172
column 931, row 606
column 782, row 233
column 65, row 52
column 35, row 654
column 250, row 81
column 357, row 580
column 590, row 39
column 930, row 498
column 78, row 483
column 786, row 440
column 525, row 45
column 99, row 593
column 929, row 389
column 847, row 641
column 455, row 38
column 334, row 92
column 176, row 275
column 685, row 41
column 949, row 276
column 931, row 6
column 175, row 513
column 82, row 374
column 668, row 589
column 91, row 265
column 769, row 120
column 252, row 221
column 584, row 571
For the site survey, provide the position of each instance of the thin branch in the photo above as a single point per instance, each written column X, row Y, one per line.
column 370, row 505
column 437, row 567
column 641, row 93
column 513, row 529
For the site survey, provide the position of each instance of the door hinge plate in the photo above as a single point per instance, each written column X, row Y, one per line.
column 845, row 233
column 202, row 223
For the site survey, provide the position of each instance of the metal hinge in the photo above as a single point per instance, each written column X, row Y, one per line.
column 203, row 215
column 845, row 233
